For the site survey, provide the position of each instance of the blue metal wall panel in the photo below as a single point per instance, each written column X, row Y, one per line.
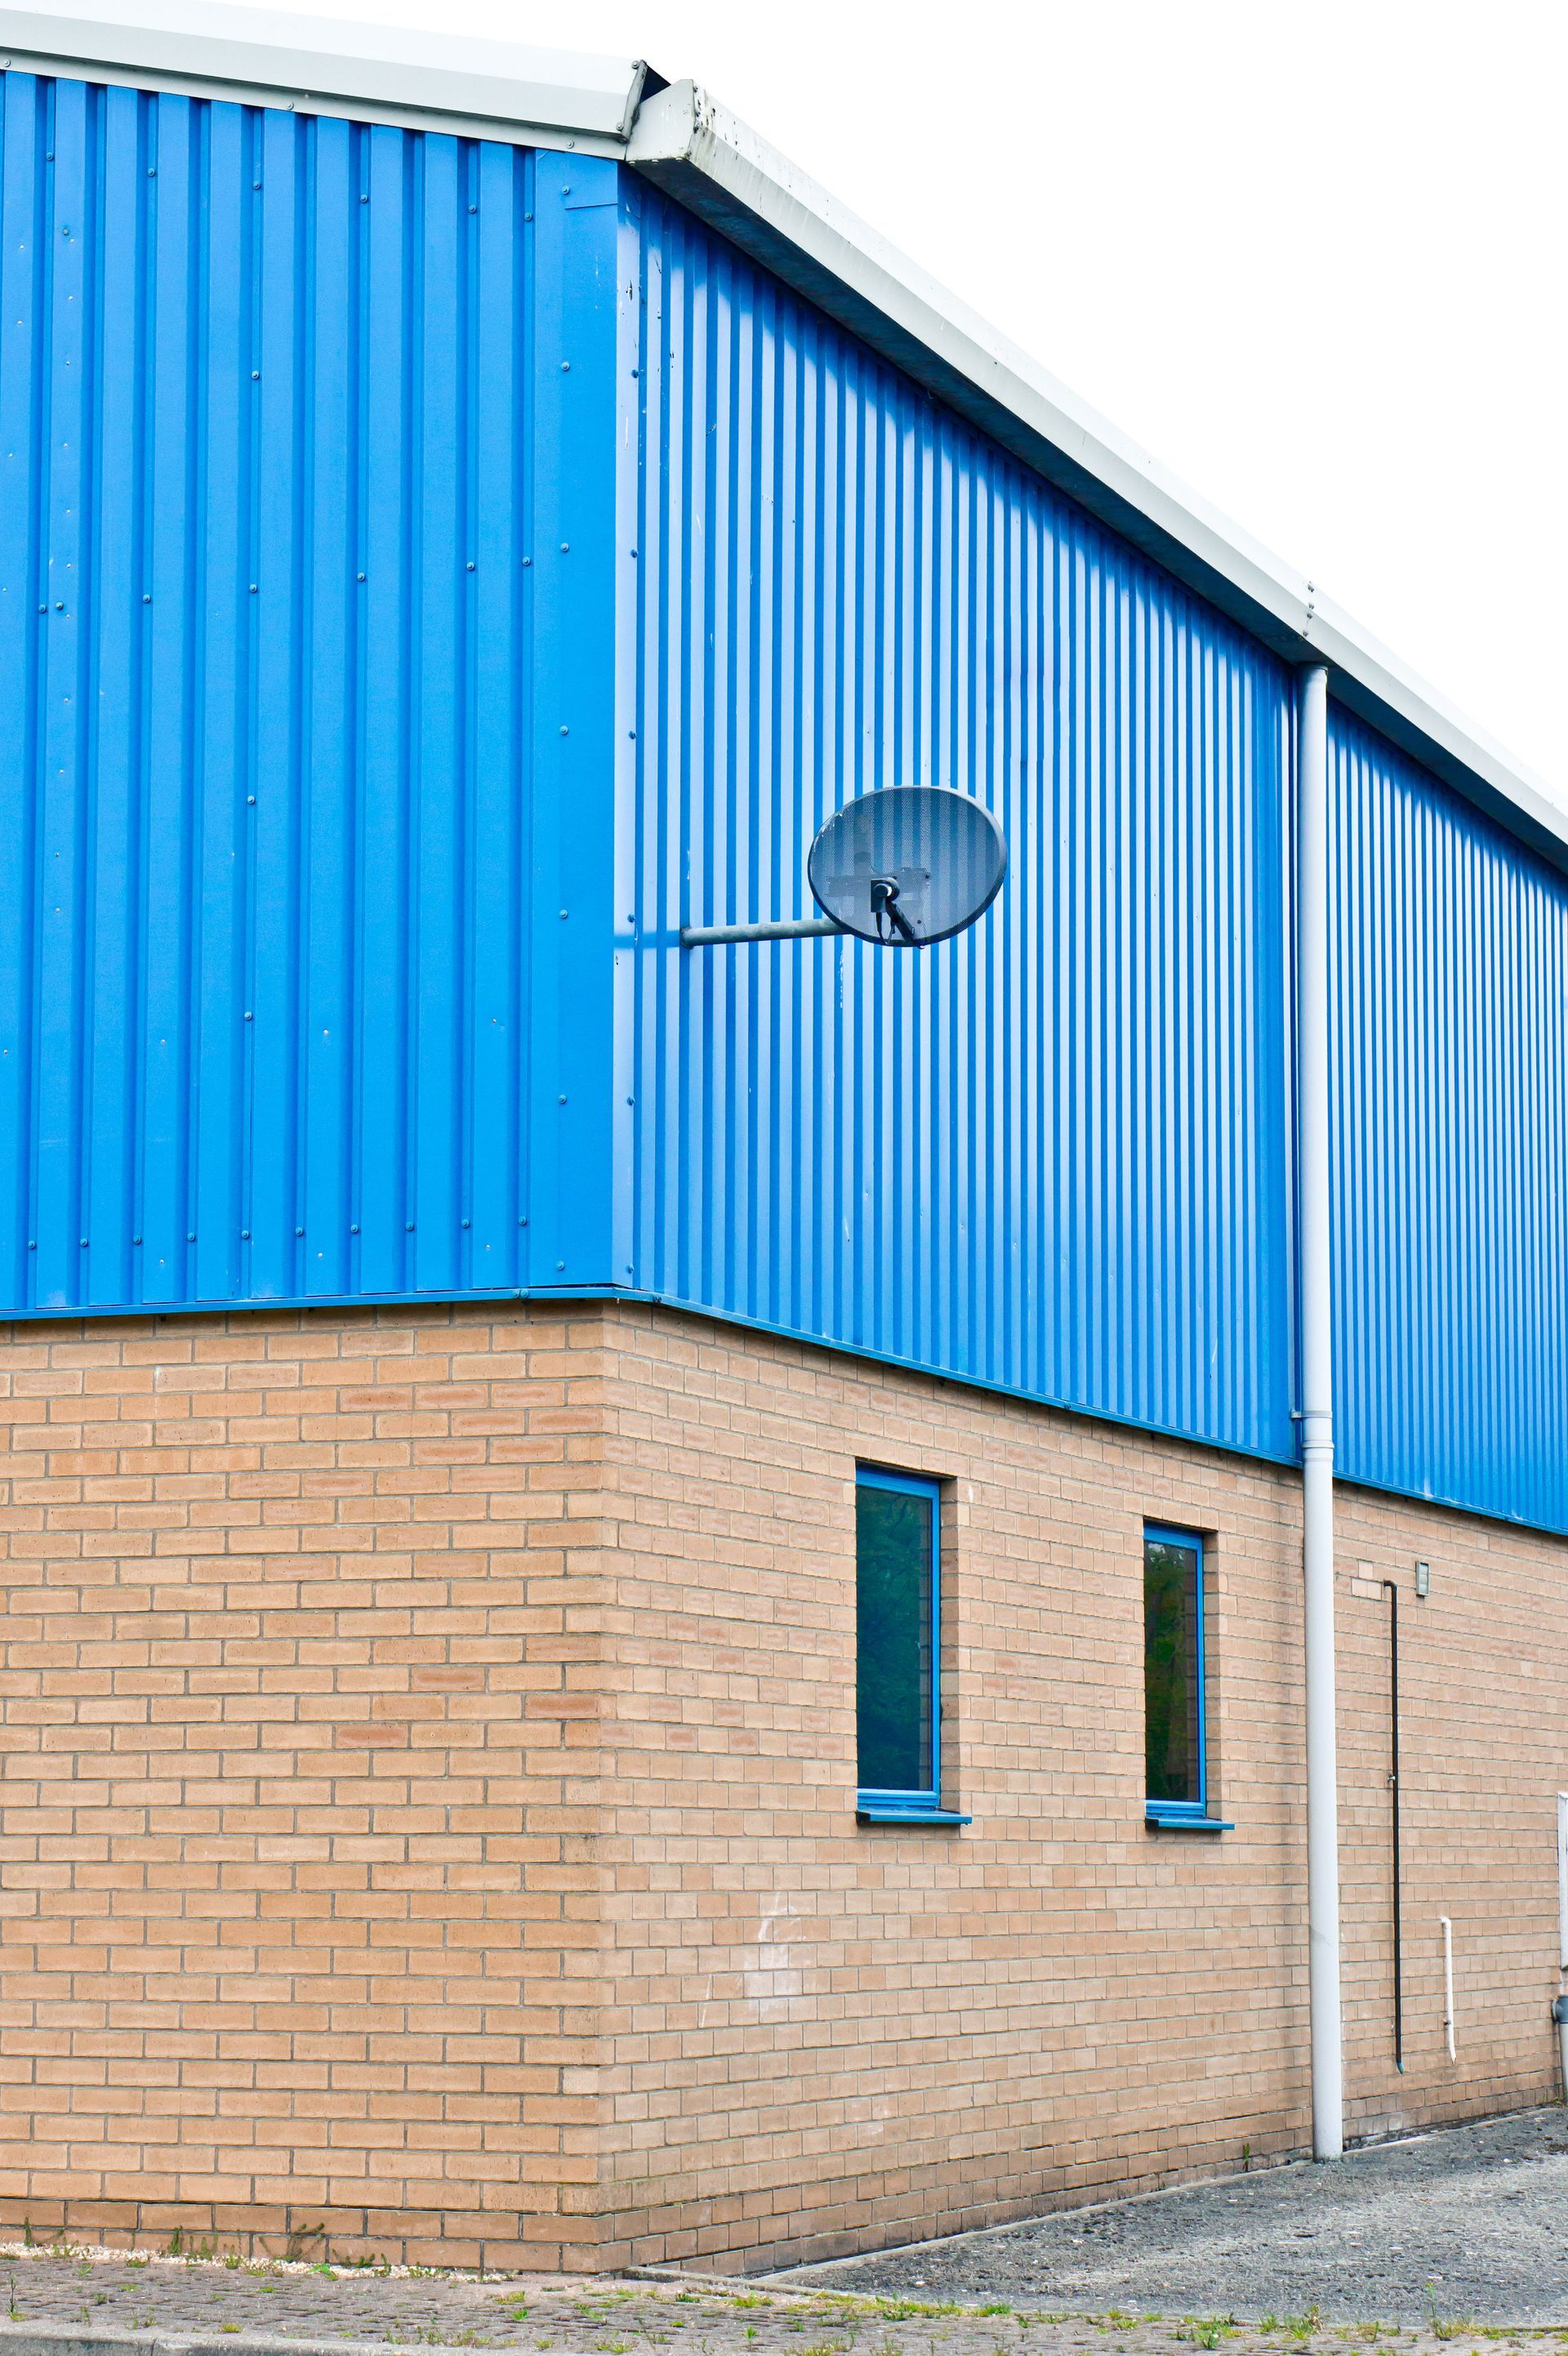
column 1450, row 1078
column 274, row 638
column 1052, row 1155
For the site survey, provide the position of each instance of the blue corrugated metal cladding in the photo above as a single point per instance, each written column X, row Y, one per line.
column 1051, row 1154
column 1450, row 1145
column 430, row 572
column 293, row 713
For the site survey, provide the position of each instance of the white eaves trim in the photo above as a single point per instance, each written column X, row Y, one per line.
column 681, row 138
column 374, row 74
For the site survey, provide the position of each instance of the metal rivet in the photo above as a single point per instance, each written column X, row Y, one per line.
column 299, row 1231
column 364, row 198
column 135, row 1239
column 560, row 1099
column 250, row 801
column 566, row 368
column 467, row 1223
column 147, row 596
column 564, row 729
column 527, row 560
column 560, row 1267
column 249, row 1016
column 473, row 208
column 152, row 171
column 253, row 591
column 31, row 1246
column 528, row 216
column 84, row 1243
column 361, row 577
column 566, row 547
column 563, row 915
column 59, row 604
column 353, row 1231
column 255, row 376
column 43, row 609
column 244, row 1235
column 408, row 1227
column 470, row 564
column 191, row 1236
column 522, row 1222
column 255, row 184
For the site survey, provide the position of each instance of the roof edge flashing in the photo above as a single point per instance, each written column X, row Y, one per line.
column 371, row 73
column 687, row 143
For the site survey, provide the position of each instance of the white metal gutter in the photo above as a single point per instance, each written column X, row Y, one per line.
column 371, row 73
column 681, row 138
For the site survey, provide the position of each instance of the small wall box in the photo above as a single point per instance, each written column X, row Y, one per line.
column 1424, row 1580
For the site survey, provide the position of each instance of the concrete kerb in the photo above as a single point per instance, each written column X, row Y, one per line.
column 69, row 2339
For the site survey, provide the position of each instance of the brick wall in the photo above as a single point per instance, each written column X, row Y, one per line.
column 299, row 1714
column 427, row 1767
column 820, row 2037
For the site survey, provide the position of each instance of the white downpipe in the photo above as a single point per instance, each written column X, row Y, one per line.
column 1559, row 2010
column 1448, row 1981
column 1318, row 1420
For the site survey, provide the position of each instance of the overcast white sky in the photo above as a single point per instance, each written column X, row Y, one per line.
column 1315, row 259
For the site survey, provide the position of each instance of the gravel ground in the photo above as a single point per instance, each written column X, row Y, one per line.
column 1469, row 2225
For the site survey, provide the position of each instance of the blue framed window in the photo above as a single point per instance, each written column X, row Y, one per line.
column 898, row 1641
column 1174, row 1713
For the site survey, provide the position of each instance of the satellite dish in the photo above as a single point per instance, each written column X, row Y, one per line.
column 907, row 866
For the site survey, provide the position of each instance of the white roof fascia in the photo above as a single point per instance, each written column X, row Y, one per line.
column 369, row 73
column 689, row 143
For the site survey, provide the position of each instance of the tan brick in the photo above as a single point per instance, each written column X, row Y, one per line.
column 428, row 1798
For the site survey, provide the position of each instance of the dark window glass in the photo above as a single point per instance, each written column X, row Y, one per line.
column 1173, row 1667
column 896, row 1541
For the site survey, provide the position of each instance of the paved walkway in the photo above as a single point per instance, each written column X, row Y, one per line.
column 1469, row 2225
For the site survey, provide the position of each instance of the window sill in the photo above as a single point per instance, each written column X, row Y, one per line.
column 1160, row 1820
column 873, row 1814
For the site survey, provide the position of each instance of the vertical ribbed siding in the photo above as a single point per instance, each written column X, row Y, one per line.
column 1450, row 1145
column 264, row 648
column 1051, row 1154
